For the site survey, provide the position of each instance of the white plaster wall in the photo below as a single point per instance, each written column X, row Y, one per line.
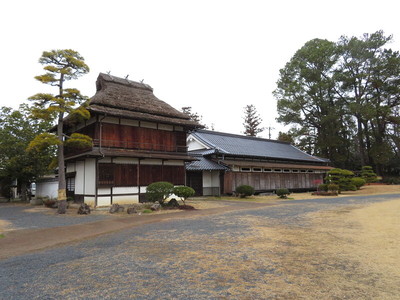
column 151, row 162
column 126, row 190
column 126, row 199
column 194, row 145
column 174, row 163
column 80, row 177
column 89, row 201
column 126, row 160
column 215, row 181
column 165, row 127
column 148, row 125
column 90, row 176
column 207, row 179
column 129, row 122
column 111, row 120
column 211, row 179
column 104, row 191
column 105, row 160
column 70, row 167
column 103, row 200
column 47, row 189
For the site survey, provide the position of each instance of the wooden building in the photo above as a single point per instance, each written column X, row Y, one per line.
column 226, row 161
column 137, row 139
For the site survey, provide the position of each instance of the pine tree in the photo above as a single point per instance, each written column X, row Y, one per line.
column 60, row 66
column 252, row 121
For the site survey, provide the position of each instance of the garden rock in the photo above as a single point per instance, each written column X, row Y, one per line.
column 84, row 209
column 156, row 206
column 115, row 208
column 131, row 210
column 173, row 203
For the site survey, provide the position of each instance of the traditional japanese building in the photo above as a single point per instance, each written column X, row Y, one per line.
column 137, row 140
column 226, row 161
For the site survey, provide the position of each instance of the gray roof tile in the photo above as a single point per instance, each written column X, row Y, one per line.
column 204, row 164
column 251, row 146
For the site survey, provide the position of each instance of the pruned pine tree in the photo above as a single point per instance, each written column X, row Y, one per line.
column 252, row 121
column 187, row 110
column 60, row 66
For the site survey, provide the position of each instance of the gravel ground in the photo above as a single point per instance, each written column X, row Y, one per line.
column 156, row 261
column 22, row 216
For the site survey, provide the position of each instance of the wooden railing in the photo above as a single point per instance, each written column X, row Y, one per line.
column 129, row 145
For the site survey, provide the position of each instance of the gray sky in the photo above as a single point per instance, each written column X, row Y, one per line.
column 215, row 56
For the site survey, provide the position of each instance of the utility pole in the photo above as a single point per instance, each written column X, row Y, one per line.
column 269, row 131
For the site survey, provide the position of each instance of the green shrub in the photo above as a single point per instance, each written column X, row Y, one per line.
column 391, row 180
column 245, row 190
column 184, row 192
column 358, row 182
column 368, row 174
column 159, row 191
column 333, row 188
column 342, row 178
column 323, row 187
column 282, row 193
column 147, row 211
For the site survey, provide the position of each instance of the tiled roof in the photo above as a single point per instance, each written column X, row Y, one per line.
column 246, row 146
column 204, row 164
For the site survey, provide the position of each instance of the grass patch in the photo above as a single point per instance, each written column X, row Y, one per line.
column 147, row 211
column 2, row 235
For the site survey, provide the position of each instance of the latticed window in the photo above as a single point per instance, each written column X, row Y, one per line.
column 106, row 174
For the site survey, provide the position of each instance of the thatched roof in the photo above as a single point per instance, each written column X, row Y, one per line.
column 125, row 98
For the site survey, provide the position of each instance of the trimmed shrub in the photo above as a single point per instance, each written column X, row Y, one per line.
column 358, row 182
column 282, row 193
column 333, row 188
column 245, row 190
column 183, row 192
column 368, row 174
column 391, row 180
column 342, row 178
column 159, row 191
column 323, row 187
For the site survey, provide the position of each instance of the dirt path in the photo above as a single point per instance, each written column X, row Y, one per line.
column 338, row 248
column 19, row 242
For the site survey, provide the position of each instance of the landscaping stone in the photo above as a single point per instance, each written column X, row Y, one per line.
column 84, row 209
column 156, row 206
column 131, row 210
column 173, row 203
column 115, row 208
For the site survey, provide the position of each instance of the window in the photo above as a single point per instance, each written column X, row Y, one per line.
column 257, row 169
column 310, row 171
column 295, row 171
column 245, row 169
column 278, row 170
column 106, row 174
column 286, row 171
column 71, row 184
column 303, row 171
column 267, row 170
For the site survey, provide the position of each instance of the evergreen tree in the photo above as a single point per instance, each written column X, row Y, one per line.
column 252, row 121
column 344, row 97
column 60, row 66
column 16, row 132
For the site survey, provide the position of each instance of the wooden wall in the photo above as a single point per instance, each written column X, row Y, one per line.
column 124, row 136
column 120, row 175
column 271, row 181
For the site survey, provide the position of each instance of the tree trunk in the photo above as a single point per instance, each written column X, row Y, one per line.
column 360, row 141
column 62, row 195
column 24, row 192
